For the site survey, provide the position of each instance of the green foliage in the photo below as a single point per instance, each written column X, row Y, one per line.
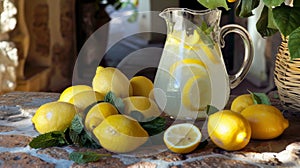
column 293, row 43
column 111, row 98
column 245, row 7
column 155, row 126
column 85, row 157
column 262, row 24
column 276, row 15
column 212, row 4
column 260, row 98
column 79, row 136
column 55, row 138
column 211, row 110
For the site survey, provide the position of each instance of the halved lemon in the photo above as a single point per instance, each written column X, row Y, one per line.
column 182, row 138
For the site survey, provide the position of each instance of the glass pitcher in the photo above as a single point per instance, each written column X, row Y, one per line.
column 191, row 74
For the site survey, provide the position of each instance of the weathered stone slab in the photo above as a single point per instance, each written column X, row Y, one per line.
column 16, row 131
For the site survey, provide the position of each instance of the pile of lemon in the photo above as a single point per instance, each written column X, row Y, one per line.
column 114, row 131
column 232, row 129
column 228, row 129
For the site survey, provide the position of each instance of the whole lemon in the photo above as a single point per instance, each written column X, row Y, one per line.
column 144, row 105
column 53, row 116
column 229, row 130
column 98, row 113
column 69, row 92
column 267, row 122
column 241, row 102
column 83, row 99
column 120, row 134
column 111, row 79
column 141, row 86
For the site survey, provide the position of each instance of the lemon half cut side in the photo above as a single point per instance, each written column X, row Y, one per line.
column 182, row 138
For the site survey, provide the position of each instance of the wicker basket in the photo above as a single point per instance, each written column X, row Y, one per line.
column 287, row 77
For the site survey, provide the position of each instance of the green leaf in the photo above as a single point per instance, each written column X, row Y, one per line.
column 55, row 138
column 260, row 98
column 77, row 124
column 212, row 4
column 85, row 157
column 79, row 136
column 211, row 110
column 111, row 98
column 293, row 43
column 286, row 18
column 263, row 22
column 245, row 7
column 271, row 3
column 154, row 126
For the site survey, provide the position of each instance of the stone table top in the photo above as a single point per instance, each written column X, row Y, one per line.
column 16, row 131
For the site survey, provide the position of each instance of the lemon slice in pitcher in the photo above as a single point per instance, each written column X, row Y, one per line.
column 196, row 94
column 188, row 67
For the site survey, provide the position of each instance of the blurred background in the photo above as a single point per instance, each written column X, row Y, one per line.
column 41, row 40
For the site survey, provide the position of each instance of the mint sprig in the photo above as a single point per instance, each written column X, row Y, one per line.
column 55, row 138
column 154, row 126
column 79, row 136
column 85, row 157
column 111, row 98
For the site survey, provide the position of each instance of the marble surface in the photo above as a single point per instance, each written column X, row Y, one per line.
column 16, row 131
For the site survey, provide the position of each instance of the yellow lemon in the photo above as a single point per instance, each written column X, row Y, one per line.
column 241, row 102
column 144, row 105
column 111, row 79
column 141, row 86
column 229, row 130
column 196, row 94
column 98, row 113
column 53, row 116
column 69, row 92
column 266, row 121
column 120, row 134
column 83, row 99
column 182, row 138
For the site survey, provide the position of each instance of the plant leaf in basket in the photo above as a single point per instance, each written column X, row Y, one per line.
column 293, row 43
column 245, row 7
column 263, row 25
column 286, row 19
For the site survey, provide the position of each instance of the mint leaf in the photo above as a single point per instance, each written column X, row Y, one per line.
column 271, row 3
column 85, row 157
column 245, row 7
column 79, row 136
column 55, row 138
column 111, row 98
column 260, row 98
column 211, row 110
column 154, row 126
column 286, row 18
column 212, row 4
column 293, row 44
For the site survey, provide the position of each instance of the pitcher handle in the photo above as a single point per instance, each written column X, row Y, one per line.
column 236, row 79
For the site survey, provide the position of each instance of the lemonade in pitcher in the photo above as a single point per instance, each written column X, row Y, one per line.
column 191, row 74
